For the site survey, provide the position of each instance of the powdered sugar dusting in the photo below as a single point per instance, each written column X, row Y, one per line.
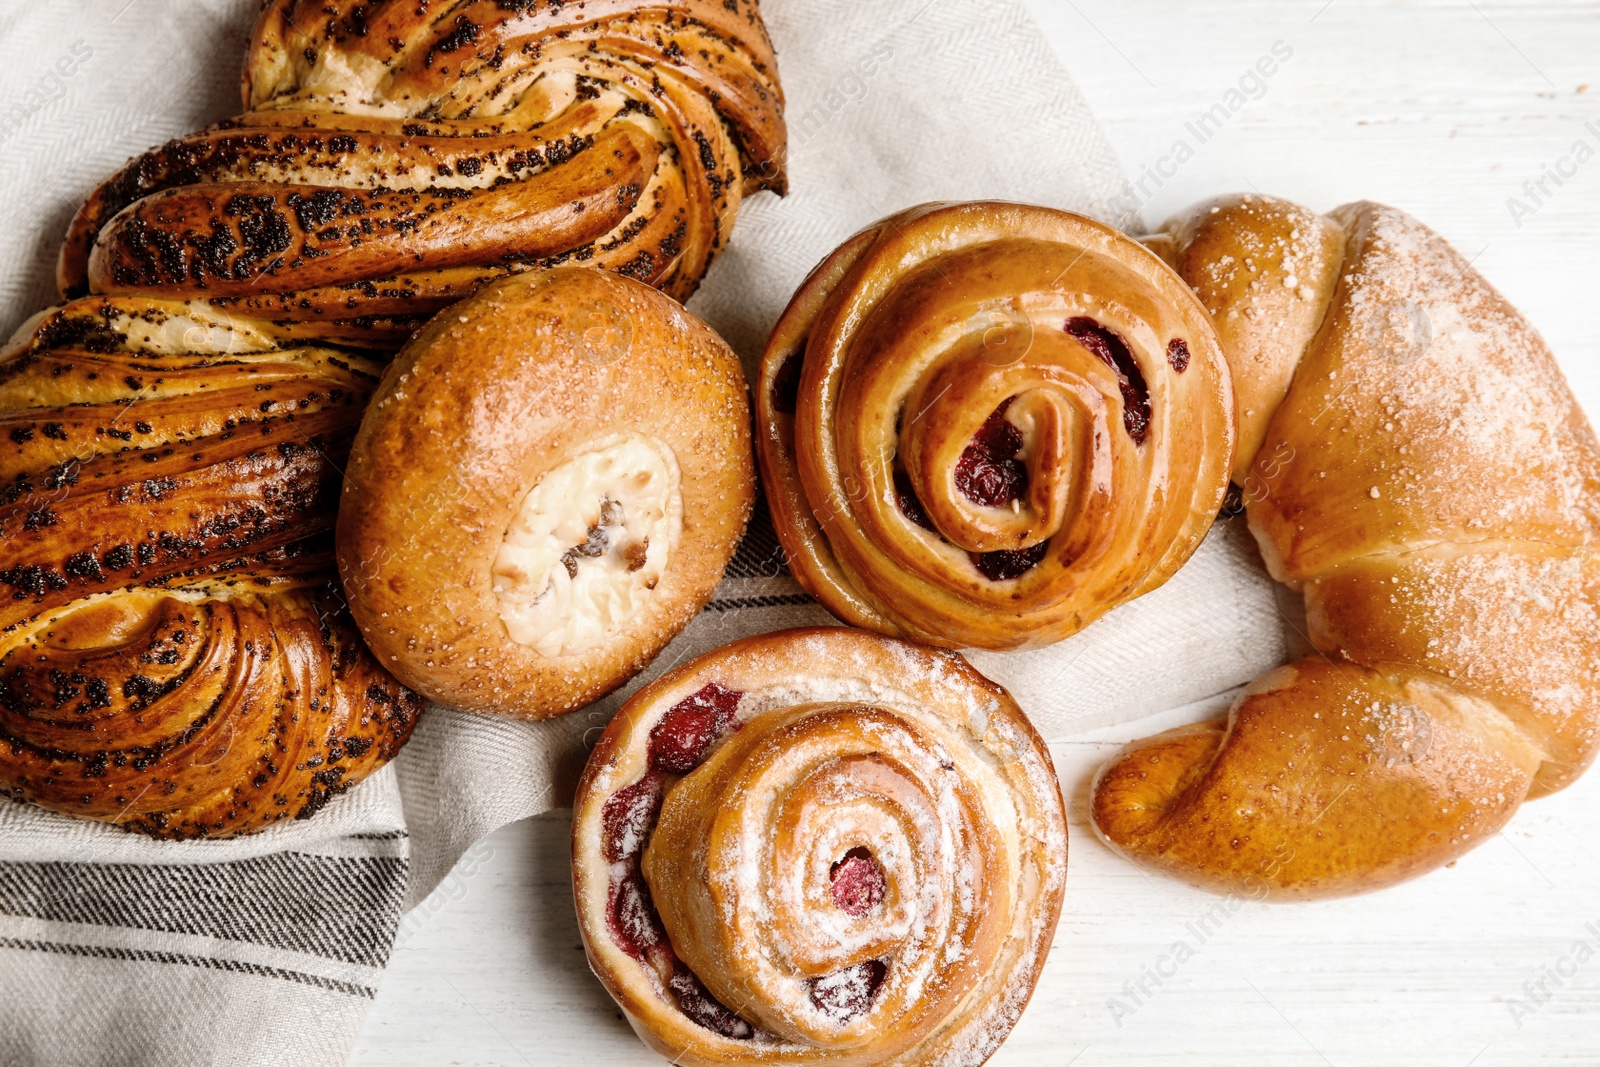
column 898, row 771
column 1447, row 403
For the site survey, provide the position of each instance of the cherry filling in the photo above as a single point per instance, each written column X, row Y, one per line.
column 845, row 994
column 1113, row 351
column 1008, row 563
column 1178, row 354
column 988, row 472
column 701, row 1007
column 906, row 498
column 635, row 926
column 679, row 743
column 786, row 383
column 629, row 816
column 858, row 884
column 685, row 734
column 637, row 930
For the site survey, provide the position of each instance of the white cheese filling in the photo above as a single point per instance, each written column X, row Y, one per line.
column 588, row 544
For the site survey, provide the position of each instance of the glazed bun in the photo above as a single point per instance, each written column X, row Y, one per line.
column 985, row 425
column 545, row 490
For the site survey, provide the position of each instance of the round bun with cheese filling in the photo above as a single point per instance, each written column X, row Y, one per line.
column 545, row 490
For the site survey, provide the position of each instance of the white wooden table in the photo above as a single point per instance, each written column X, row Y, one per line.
column 1445, row 108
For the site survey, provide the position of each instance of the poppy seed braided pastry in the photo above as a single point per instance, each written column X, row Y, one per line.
column 395, row 155
column 175, row 652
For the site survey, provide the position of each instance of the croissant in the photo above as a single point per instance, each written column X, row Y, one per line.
column 175, row 654
column 393, row 155
column 820, row 847
column 985, row 425
column 1418, row 468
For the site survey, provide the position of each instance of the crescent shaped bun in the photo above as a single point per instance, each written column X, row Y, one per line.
column 591, row 385
column 1419, row 470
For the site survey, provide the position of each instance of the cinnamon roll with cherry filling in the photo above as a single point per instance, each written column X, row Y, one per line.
column 820, row 847
column 986, row 424
column 175, row 654
column 394, row 155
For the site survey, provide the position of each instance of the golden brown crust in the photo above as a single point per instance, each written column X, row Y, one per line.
column 393, row 156
column 1265, row 269
column 175, row 655
column 801, row 755
column 1432, row 487
column 1514, row 624
column 986, row 424
column 475, row 411
column 1329, row 779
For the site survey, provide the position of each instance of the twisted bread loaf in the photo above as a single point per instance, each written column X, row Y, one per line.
column 820, row 847
column 986, row 424
column 175, row 655
column 393, row 155
column 1420, row 471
